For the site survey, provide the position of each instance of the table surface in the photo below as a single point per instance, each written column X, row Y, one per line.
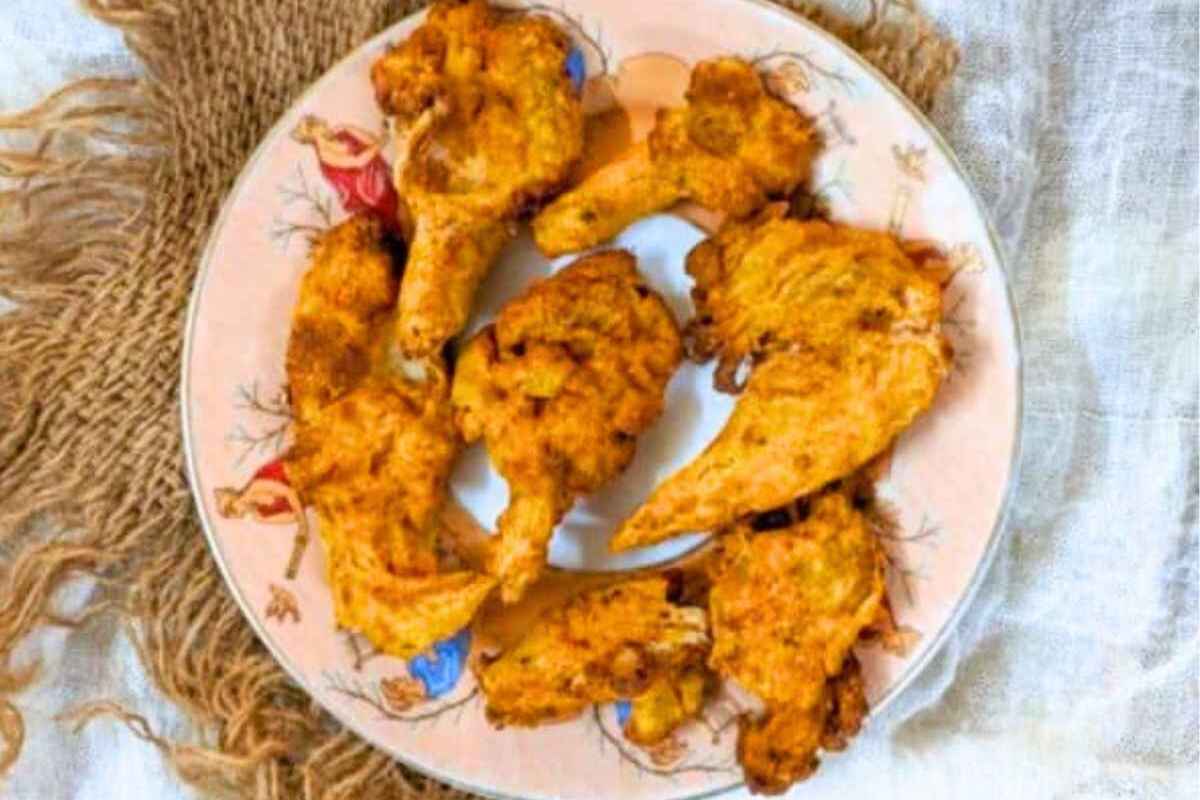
column 1075, row 673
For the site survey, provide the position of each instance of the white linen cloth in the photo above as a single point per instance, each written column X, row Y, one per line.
column 1075, row 673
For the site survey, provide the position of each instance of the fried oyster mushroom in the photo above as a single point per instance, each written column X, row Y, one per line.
column 732, row 148
column 559, row 388
column 625, row 641
column 487, row 122
column 372, row 452
column 786, row 607
column 842, row 330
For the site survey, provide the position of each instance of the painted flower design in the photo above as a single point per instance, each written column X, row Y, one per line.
column 576, row 67
column 667, row 752
column 283, row 605
column 440, row 668
column 788, row 78
column 910, row 161
column 401, row 693
column 623, row 708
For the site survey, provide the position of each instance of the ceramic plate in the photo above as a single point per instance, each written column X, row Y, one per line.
column 882, row 166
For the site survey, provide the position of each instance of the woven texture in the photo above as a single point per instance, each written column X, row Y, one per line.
column 100, row 251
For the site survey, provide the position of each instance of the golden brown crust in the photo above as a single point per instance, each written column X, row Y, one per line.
column 345, row 297
column 560, row 387
column 786, row 607
column 732, row 148
column 775, row 283
column 780, row 748
column 603, row 645
column 372, row 451
column 487, row 123
column 843, row 331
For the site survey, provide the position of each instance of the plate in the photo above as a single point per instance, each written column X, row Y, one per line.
column 882, row 166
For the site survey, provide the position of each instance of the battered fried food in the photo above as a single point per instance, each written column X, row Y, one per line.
column 372, row 452
column 786, row 607
column 670, row 701
column 559, row 388
column 487, row 122
column 843, row 331
column 603, row 645
column 345, row 299
column 730, row 149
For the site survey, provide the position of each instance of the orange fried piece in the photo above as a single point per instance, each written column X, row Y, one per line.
column 842, row 328
column 619, row 642
column 732, row 148
column 372, row 452
column 345, row 299
column 559, row 388
column 786, row 607
column 487, row 122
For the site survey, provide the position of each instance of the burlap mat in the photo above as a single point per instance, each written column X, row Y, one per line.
column 99, row 251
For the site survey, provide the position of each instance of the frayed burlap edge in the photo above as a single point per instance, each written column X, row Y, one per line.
column 99, row 251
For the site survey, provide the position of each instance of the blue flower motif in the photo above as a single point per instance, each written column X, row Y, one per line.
column 624, row 709
column 440, row 668
column 576, row 67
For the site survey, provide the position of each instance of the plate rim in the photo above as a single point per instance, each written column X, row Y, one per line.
column 965, row 600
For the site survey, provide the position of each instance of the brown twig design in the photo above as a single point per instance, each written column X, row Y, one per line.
column 272, row 438
column 317, row 203
column 336, row 683
column 665, row 772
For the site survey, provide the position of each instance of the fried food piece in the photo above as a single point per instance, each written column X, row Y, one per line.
column 780, row 749
column 487, row 123
column 730, row 149
column 843, row 330
column 786, row 607
column 345, row 299
column 372, row 452
column 602, row 645
column 669, row 702
column 559, row 388
column 774, row 284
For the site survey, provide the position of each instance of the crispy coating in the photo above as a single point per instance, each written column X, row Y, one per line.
column 600, row 646
column 775, row 283
column 670, row 701
column 372, row 452
column 487, row 123
column 344, row 301
column 786, row 607
column 730, row 149
column 780, row 748
column 559, row 388
column 843, row 330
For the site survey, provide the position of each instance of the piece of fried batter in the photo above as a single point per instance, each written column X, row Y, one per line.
column 372, row 451
column 559, row 388
column 487, row 122
column 603, row 645
column 843, row 332
column 786, row 607
column 730, row 149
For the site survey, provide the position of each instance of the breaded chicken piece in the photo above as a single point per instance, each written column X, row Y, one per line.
column 487, row 123
column 775, row 284
column 732, row 148
column 786, row 607
column 843, row 330
column 600, row 646
column 372, row 452
column 345, row 299
column 670, row 701
column 559, row 388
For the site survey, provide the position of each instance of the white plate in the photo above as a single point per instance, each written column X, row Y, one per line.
column 883, row 166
